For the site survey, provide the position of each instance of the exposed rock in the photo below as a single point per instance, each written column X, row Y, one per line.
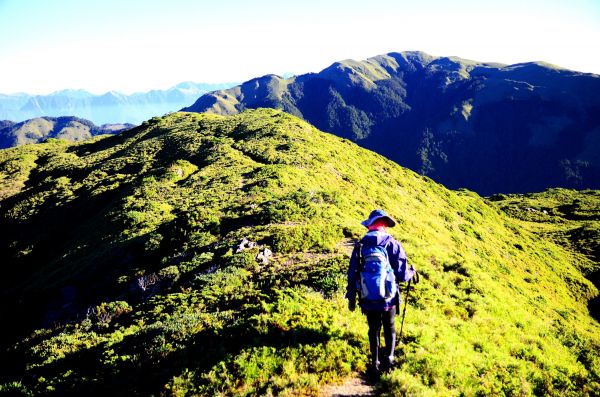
column 263, row 256
column 244, row 245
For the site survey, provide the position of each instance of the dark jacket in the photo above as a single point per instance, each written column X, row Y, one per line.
column 398, row 262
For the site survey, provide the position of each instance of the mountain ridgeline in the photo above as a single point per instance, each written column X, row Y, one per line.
column 199, row 254
column 41, row 128
column 486, row 127
column 109, row 108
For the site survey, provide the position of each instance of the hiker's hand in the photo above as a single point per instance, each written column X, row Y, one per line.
column 415, row 276
column 351, row 305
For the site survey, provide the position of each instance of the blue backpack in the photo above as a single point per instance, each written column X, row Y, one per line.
column 377, row 281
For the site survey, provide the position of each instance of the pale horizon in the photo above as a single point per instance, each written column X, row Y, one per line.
column 136, row 47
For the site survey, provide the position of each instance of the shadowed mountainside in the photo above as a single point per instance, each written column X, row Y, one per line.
column 487, row 127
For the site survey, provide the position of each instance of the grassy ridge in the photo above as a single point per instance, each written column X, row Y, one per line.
column 569, row 218
column 128, row 249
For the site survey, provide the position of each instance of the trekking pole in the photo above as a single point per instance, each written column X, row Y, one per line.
column 404, row 312
column 416, row 277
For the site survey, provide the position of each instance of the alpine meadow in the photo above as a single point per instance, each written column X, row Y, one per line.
column 201, row 254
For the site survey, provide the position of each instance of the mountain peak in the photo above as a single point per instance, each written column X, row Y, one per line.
column 538, row 66
column 445, row 116
column 75, row 93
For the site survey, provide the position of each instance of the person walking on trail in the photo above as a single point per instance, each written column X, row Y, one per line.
column 377, row 264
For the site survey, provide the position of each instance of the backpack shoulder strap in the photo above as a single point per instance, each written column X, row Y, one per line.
column 387, row 255
column 359, row 256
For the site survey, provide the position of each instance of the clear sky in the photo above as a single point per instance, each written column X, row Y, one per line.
column 135, row 45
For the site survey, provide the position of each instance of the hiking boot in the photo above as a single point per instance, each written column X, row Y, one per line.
column 373, row 372
column 388, row 364
column 391, row 361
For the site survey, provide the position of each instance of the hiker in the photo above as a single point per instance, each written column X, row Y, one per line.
column 377, row 264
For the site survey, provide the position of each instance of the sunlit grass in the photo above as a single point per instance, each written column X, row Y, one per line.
column 147, row 226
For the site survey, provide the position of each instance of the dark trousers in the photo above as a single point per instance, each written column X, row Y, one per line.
column 376, row 320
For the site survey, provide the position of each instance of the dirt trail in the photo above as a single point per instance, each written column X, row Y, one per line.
column 353, row 387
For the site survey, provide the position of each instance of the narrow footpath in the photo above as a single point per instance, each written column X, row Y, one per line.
column 353, row 387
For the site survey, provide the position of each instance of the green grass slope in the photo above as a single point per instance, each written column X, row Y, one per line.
column 125, row 256
column 568, row 217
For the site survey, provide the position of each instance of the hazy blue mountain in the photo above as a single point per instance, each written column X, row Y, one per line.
column 111, row 107
column 40, row 128
column 487, row 127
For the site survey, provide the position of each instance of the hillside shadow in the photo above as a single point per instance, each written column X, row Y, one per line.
column 92, row 376
column 73, row 258
column 594, row 308
column 594, row 304
column 65, row 253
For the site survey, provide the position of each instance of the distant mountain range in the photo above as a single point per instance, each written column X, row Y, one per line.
column 111, row 107
column 41, row 128
column 484, row 126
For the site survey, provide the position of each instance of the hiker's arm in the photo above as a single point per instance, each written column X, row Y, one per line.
column 351, row 277
column 404, row 272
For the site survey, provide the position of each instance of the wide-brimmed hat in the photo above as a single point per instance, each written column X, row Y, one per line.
column 378, row 214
